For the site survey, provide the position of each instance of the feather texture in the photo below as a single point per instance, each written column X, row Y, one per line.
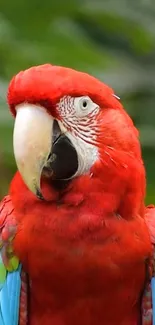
column 10, row 298
column 148, row 303
column 10, row 269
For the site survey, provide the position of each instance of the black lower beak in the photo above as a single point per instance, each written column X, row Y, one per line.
column 63, row 160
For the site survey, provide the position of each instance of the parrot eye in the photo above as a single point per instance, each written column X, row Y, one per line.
column 84, row 105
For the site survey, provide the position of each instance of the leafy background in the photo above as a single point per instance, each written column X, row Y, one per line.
column 114, row 40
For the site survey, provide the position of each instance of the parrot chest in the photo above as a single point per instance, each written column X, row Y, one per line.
column 83, row 270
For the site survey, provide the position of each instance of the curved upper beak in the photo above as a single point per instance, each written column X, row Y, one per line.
column 32, row 141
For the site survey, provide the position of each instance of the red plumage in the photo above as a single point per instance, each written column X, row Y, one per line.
column 87, row 249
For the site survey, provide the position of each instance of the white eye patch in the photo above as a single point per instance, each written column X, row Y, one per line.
column 84, row 106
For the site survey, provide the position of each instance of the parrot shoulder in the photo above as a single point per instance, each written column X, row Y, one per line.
column 8, row 228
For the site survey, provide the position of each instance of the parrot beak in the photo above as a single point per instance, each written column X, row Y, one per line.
column 41, row 147
column 32, row 141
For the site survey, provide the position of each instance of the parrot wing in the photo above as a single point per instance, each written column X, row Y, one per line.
column 11, row 277
column 148, row 300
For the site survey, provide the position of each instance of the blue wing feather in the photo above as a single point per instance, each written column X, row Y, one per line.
column 4, row 304
column 10, row 298
column 1, row 319
column 14, row 288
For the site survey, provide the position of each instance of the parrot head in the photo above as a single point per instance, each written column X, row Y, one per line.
column 67, row 124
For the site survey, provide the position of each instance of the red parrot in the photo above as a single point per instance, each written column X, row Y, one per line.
column 75, row 217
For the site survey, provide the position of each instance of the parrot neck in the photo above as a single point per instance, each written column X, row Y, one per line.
column 113, row 194
column 84, row 191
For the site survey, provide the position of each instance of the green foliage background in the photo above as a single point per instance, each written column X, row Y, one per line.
column 114, row 40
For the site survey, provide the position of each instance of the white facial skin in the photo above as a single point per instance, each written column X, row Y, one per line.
column 78, row 116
